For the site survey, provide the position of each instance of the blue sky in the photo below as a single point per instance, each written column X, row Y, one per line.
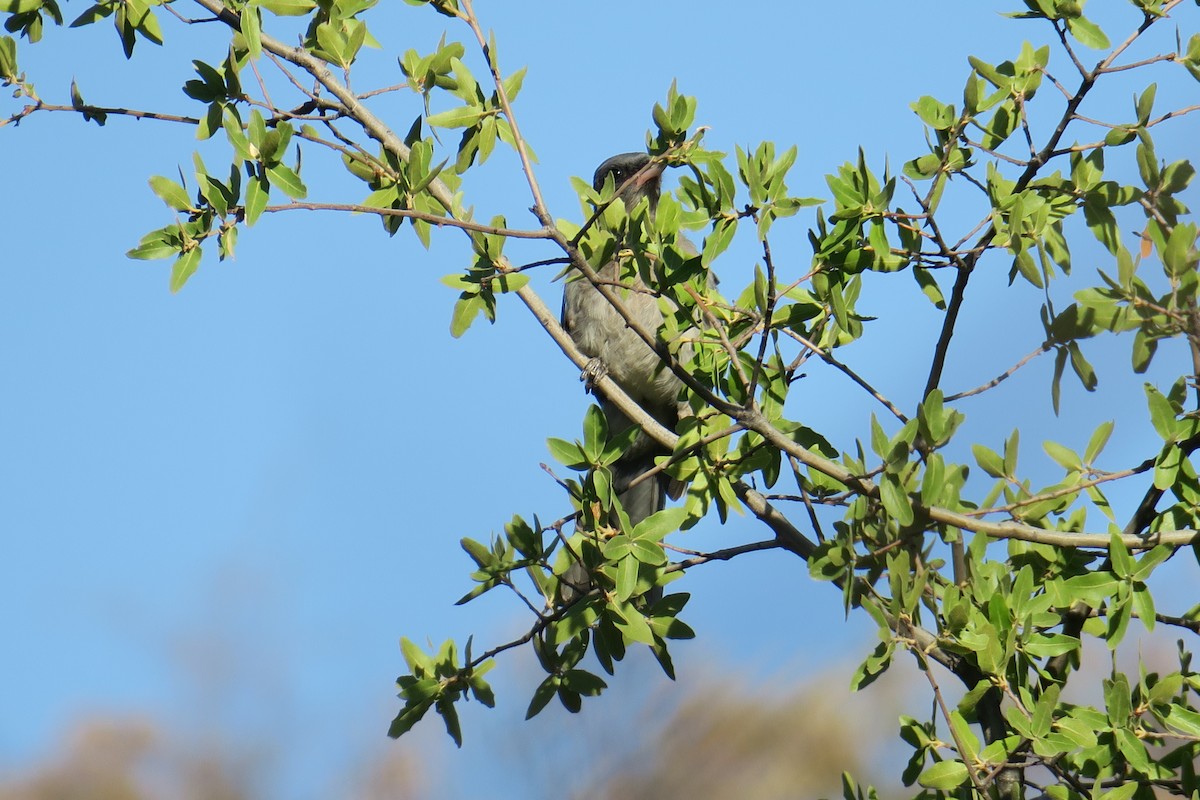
column 270, row 470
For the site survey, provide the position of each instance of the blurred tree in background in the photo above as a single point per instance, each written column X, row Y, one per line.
column 132, row 759
column 721, row 740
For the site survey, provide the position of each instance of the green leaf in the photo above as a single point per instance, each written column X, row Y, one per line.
column 478, row 551
column 1092, row 588
column 1143, row 603
column 161, row 243
column 934, row 113
column 1125, row 792
column 1082, row 367
column 595, row 432
column 1065, row 457
column 627, row 575
column 1145, row 104
column 147, row 25
column 1043, row 713
column 542, row 695
column 1134, row 751
column 895, row 500
column 872, row 667
column 1162, row 414
column 512, row 84
column 1150, row 560
column 989, row 73
column 1167, row 467
column 212, row 120
column 506, row 282
column 964, row 735
column 1012, row 449
column 1102, row 223
column 1088, row 33
column 1165, row 690
column 92, row 15
column 184, row 267
column 1179, row 255
column 20, row 6
column 569, row 454
column 257, row 193
column 252, row 30
column 879, row 439
column 8, row 58
column 1024, row 264
column 288, row 8
column 1097, row 442
column 717, row 241
column 1147, row 162
column 583, row 682
column 445, row 707
column 409, row 716
column 286, row 179
column 462, row 117
column 634, row 626
column 1119, row 615
column 659, row 524
column 232, row 124
column 226, row 242
column 1004, row 121
column 171, row 193
column 1119, row 136
column 1060, row 363
column 79, row 105
column 648, row 553
column 1053, row 644
column 466, row 309
column 944, row 775
column 1183, row 719
column 929, row 287
column 1122, row 562
column 989, row 460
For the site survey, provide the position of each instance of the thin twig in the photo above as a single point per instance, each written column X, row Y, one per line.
column 1001, row 377
column 424, row 216
column 829, row 359
column 96, row 110
column 1107, row 477
column 768, row 314
column 724, row 555
column 963, row 754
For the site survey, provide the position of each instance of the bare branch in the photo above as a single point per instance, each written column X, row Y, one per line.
column 433, row 219
column 723, row 555
column 849, row 373
column 945, row 711
column 1002, row 376
column 768, row 315
column 97, row 110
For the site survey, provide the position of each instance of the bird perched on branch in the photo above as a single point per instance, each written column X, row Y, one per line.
column 617, row 351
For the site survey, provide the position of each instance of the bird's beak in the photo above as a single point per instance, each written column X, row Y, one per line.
column 649, row 174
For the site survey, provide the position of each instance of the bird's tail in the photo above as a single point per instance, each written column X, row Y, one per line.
column 640, row 496
column 640, row 499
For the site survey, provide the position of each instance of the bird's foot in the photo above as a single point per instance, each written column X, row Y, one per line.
column 593, row 371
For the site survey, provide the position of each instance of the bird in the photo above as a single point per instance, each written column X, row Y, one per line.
column 602, row 334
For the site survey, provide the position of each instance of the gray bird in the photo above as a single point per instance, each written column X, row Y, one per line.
column 601, row 333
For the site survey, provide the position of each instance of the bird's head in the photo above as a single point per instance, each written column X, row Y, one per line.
column 623, row 167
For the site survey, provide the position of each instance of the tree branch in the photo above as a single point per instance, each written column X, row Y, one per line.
column 433, row 219
column 91, row 110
